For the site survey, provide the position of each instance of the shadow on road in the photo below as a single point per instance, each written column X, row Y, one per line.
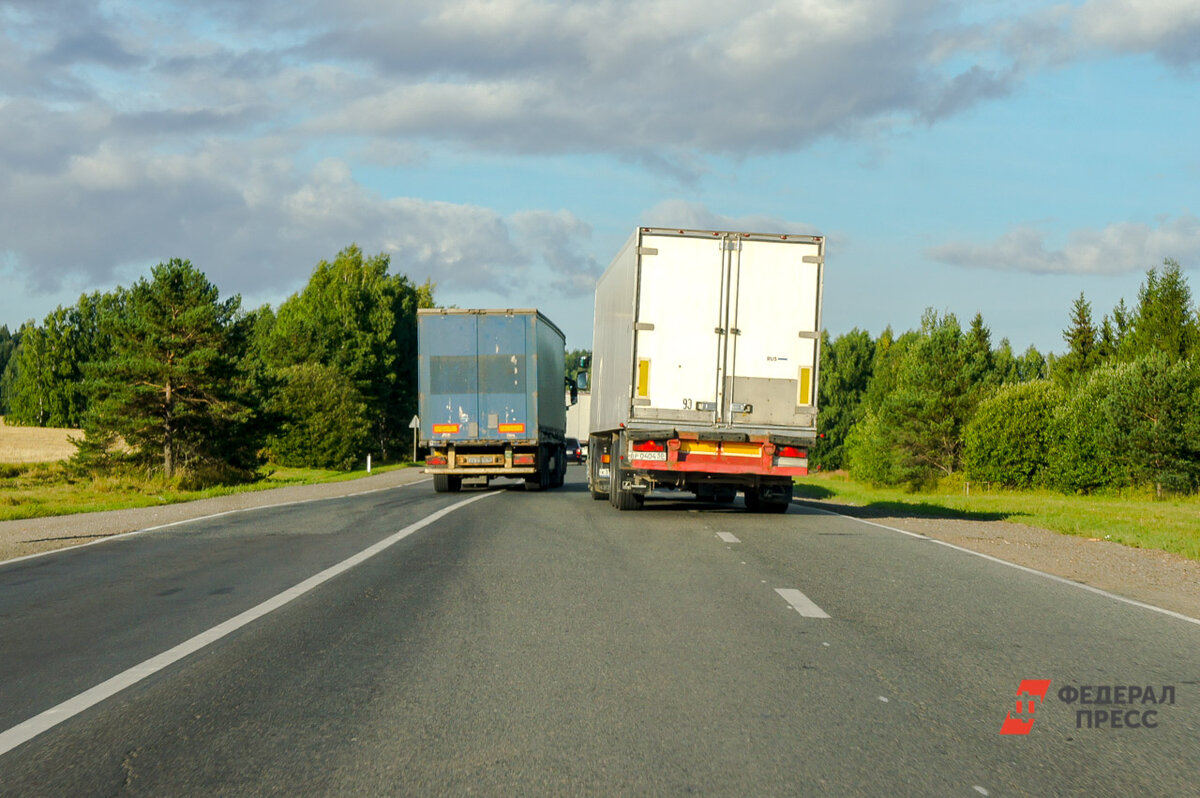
column 876, row 510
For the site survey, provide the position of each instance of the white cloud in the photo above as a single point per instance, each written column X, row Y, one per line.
column 1169, row 29
column 1119, row 248
column 130, row 134
column 696, row 216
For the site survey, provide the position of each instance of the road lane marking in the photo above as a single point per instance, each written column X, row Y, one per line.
column 26, row 731
column 1061, row 580
column 728, row 537
column 801, row 603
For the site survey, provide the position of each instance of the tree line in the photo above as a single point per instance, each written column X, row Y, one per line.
column 170, row 376
column 1118, row 409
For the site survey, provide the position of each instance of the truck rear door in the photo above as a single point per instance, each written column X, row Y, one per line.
column 505, row 411
column 451, row 410
column 774, row 331
column 682, row 315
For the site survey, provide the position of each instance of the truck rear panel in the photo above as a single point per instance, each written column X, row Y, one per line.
column 489, row 377
column 709, row 330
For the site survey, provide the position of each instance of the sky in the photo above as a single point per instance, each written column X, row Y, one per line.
column 979, row 157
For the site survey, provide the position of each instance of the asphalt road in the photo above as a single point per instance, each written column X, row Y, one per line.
column 527, row 644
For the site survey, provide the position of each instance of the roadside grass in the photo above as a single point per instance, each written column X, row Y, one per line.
column 37, row 490
column 1133, row 518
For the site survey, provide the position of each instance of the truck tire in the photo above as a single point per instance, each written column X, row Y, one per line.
column 769, row 498
column 543, row 478
column 623, row 499
column 617, row 496
column 445, row 483
column 559, row 474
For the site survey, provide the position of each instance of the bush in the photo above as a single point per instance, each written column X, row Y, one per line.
column 870, row 453
column 324, row 420
column 1154, row 422
column 1008, row 438
column 1081, row 458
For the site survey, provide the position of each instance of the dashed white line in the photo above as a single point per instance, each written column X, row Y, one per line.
column 24, row 732
column 728, row 537
column 801, row 603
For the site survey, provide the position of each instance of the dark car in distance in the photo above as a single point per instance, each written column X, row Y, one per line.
column 574, row 453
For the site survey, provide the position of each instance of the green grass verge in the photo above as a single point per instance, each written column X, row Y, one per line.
column 1135, row 518
column 45, row 489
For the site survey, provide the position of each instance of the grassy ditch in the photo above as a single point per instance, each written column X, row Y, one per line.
column 44, row 489
column 1134, row 519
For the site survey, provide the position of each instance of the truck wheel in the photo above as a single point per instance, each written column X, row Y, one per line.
column 620, row 498
column 559, row 475
column 617, row 496
column 445, row 483
column 753, row 503
column 542, row 479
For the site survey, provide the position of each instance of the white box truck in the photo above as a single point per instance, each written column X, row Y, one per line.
column 705, row 353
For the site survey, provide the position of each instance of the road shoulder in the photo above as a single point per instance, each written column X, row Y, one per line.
column 1169, row 581
column 37, row 535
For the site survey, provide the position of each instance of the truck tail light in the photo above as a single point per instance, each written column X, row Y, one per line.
column 791, row 451
column 523, row 459
column 649, row 446
column 605, row 458
column 435, row 460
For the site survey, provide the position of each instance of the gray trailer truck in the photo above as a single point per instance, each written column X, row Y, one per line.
column 491, row 396
column 704, row 366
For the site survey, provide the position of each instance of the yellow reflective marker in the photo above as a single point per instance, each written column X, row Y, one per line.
column 804, row 395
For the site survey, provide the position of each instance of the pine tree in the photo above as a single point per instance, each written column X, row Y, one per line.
column 1083, row 348
column 1165, row 320
column 846, row 365
column 170, row 386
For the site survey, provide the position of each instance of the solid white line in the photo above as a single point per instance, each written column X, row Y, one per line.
column 801, row 603
column 728, row 537
column 31, row 728
column 1026, row 569
column 106, row 538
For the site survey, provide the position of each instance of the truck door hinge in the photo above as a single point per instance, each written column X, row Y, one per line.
column 719, row 330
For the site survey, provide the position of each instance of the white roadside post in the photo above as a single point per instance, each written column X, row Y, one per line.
column 415, row 425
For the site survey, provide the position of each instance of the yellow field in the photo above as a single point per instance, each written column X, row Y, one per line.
column 35, row 444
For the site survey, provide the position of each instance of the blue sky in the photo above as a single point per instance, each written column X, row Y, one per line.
column 978, row 157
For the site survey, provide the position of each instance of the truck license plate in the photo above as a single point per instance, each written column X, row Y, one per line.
column 480, row 460
column 649, row 456
column 604, row 472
